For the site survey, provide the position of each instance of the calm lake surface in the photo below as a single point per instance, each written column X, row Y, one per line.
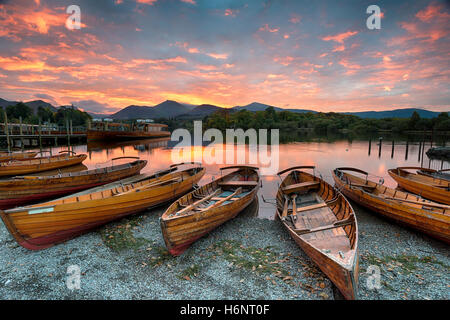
column 324, row 155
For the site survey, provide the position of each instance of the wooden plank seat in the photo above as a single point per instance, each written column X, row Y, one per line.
column 337, row 224
column 303, row 186
column 238, row 183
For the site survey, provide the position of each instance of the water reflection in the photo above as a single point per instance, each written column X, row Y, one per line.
column 324, row 155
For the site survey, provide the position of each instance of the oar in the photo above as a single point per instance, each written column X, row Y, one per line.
column 285, row 209
column 294, row 206
column 195, row 204
column 218, row 203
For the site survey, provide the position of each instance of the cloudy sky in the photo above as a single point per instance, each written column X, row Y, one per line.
column 299, row 54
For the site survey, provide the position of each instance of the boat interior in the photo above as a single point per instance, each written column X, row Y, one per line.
column 379, row 190
column 317, row 213
column 226, row 190
column 161, row 178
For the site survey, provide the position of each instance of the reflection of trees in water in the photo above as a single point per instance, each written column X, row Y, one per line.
column 141, row 145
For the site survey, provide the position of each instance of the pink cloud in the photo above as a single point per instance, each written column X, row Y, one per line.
column 340, row 37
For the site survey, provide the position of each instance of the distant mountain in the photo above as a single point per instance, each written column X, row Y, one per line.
column 35, row 104
column 173, row 109
column 397, row 113
column 4, row 103
column 256, row 106
column 170, row 109
column 201, row 111
column 166, row 109
column 135, row 112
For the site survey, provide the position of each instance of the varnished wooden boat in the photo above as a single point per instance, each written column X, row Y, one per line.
column 25, row 189
column 204, row 209
column 43, row 225
column 407, row 209
column 322, row 222
column 429, row 187
column 21, row 167
column 8, row 156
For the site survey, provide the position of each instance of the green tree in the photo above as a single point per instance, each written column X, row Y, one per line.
column 19, row 110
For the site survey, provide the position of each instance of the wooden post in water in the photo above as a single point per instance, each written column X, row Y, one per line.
column 393, row 146
column 407, row 149
column 423, row 149
column 7, row 130
column 71, row 129
column 370, row 145
column 40, row 135
column 420, row 150
column 68, row 134
column 21, row 133
column 379, row 148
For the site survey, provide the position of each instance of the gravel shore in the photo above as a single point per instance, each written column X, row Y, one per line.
column 247, row 258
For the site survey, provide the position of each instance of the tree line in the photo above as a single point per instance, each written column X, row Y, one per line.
column 21, row 110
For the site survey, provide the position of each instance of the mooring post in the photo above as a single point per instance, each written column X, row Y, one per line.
column 423, row 149
column 393, row 146
column 68, row 134
column 379, row 148
column 40, row 135
column 420, row 150
column 7, row 130
column 407, row 149
column 370, row 145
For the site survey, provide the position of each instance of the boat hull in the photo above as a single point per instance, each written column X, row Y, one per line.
column 180, row 232
column 427, row 191
column 433, row 224
column 4, row 156
column 22, row 167
column 41, row 226
column 320, row 245
column 15, row 192
column 345, row 279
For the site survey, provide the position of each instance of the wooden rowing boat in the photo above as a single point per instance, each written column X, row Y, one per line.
column 429, row 187
column 407, row 209
column 204, row 209
column 25, row 189
column 20, row 167
column 322, row 222
column 43, row 225
column 8, row 156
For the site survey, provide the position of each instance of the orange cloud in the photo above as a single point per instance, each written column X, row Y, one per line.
column 433, row 11
column 340, row 37
column 218, row 55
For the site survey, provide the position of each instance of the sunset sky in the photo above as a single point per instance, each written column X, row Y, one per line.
column 294, row 54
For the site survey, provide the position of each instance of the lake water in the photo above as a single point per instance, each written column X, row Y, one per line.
column 324, row 155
